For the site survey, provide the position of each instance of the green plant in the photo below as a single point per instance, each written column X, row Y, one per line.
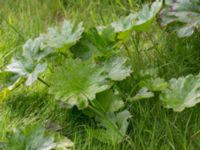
column 181, row 93
column 184, row 12
column 83, row 68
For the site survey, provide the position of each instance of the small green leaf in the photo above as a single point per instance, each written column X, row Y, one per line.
column 122, row 121
column 143, row 94
column 154, row 84
column 8, row 82
column 182, row 93
column 108, row 33
column 8, row 79
column 108, row 101
column 117, row 68
column 115, row 125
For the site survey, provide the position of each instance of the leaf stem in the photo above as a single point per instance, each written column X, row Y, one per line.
column 129, row 55
column 41, row 80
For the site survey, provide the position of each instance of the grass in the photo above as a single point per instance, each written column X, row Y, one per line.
column 152, row 127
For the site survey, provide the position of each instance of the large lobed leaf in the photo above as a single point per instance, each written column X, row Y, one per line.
column 26, row 69
column 139, row 21
column 65, row 36
column 182, row 93
column 77, row 82
column 29, row 65
column 186, row 12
